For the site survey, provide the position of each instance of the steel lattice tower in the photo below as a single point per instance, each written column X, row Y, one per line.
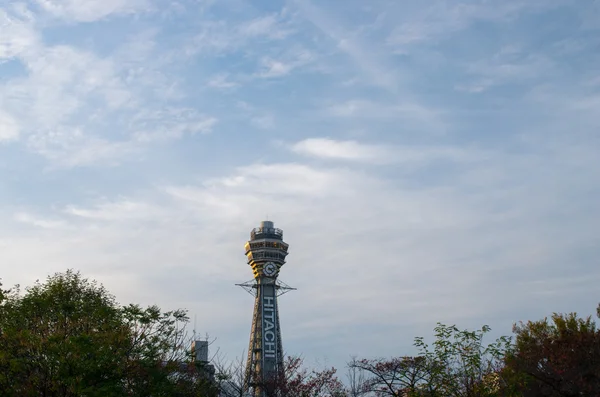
column 266, row 253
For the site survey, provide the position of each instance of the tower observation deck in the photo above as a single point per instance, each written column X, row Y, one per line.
column 266, row 253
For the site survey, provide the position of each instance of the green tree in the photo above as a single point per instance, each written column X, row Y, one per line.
column 69, row 337
column 556, row 357
column 458, row 364
column 461, row 365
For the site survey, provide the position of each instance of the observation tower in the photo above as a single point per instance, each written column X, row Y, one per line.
column 266, row 254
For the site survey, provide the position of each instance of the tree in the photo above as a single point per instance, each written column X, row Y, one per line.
column 68, row 337
column 560, row 357
column 393, row 377
column 459, row 364
column 294, row 381
column 297, row 381
column 230, row 377
column 355, row 376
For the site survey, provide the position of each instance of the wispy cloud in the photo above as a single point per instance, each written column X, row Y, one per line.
column 59, row 82
column 53, row 99
column 221, row 80
column 73, row 148
column 18, row 35
column 271, row 68
column 412, row 113
column 272, row 26
column 256, row 116
column 444, row 18
column 66, row 87
column 383, row 154
column 510, row 65
column 39, row 222
column 221, row 37
column 9, row 128
column 368, row 61
column 120, row 210
column 170, row 123
column 290, row 178
column 91, row 10
column 265, row 122
column 343, row 150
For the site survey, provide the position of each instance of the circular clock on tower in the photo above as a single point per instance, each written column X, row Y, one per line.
column 270, row 269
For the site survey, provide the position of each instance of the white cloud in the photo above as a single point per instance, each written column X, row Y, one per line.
column 510, row 65
column 170, row 123
column 256, row 116
column 270, row 26
column 415, row 155
column 18, row 35
column 218, row 37
column 443, row 18
column 71, row 102
column 60, row 82
column 411, row 114
column 351, row 108
column 289, row 178
column 212, row 38
column 265, row 122
column 343, row 150
column 277, row 68
column 370, row 109
column 73, row 148
column 79, row 72
column 372, row 64
column 121, row 210
column 221, row 81
column 39, row 222
column 9, row 128
column 92, row 10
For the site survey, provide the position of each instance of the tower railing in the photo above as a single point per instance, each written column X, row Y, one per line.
column 268, row 231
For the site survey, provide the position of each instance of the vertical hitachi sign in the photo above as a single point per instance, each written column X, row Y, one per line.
column 269, row 334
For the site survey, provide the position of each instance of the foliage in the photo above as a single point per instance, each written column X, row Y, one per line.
column 297, row 381
column 230, row 377
column 458, row 364
column 356, row 379
column 560, row 357
column 69, row 337
column 391, row 377
column 294, row 381
column 557, row 357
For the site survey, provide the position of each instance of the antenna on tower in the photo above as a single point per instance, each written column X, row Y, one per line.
column 194, row 330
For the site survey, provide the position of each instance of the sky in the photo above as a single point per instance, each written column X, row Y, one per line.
column 428, row 161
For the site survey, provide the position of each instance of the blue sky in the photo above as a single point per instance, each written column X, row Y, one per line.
column 428, row 160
